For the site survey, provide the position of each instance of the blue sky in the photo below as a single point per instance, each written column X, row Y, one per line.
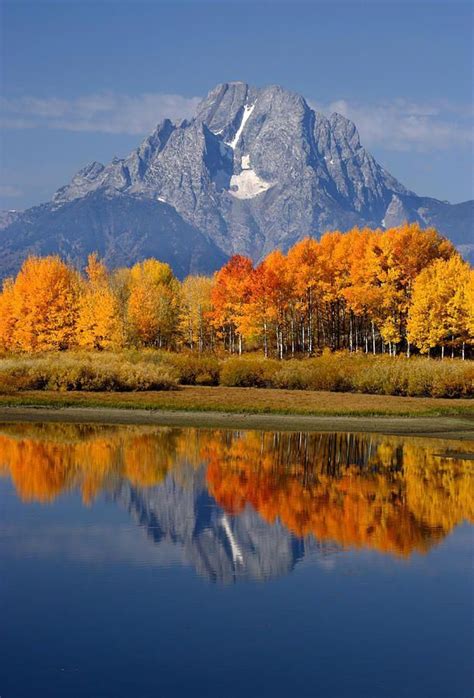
column 84, row 80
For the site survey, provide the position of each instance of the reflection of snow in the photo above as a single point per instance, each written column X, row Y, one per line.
column 236, row 552
column 247, row 111
column 248, row 185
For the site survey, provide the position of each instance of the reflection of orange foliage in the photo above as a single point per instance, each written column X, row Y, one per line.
column 386, row 493
column 45, row 462
column 37, row 471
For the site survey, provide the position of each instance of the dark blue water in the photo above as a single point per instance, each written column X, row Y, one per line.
column 164, row 583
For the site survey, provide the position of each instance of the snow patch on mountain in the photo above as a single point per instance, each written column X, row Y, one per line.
column 248, row 184
column 320, row 175
column 248, row 109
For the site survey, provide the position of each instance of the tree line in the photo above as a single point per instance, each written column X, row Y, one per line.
column 372, row 291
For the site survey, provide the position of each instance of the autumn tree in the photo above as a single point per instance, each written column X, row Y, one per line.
column 441, row 308
column 42, row 305
column 360, row 290
column 397, row 256
column 196, row 306
column 304, row 277
column 272, row 281
column 230, row 294
column 7, row 315
column 99, row 322
column 258, row 312
column 153, row 304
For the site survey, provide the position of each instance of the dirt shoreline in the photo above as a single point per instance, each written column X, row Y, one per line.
column 447, row 427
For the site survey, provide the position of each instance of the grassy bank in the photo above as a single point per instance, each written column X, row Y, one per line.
column 149, row 370
column 247, row 401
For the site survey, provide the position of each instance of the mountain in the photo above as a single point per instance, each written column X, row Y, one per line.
column 121, row 228
column 7, row 217
column 254, row 170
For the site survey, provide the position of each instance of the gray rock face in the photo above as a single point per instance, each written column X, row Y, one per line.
column 121, row 228
column 397, row 212
column 258, row 169
column 8, row 217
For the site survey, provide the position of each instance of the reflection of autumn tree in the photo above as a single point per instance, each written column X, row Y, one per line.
column 439, row 489
column 386, row 493
column 44, row 462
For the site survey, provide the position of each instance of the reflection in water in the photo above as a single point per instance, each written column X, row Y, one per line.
column 250, row 504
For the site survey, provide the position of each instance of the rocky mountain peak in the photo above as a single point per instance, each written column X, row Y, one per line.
column 345, row 130
column 255, row 169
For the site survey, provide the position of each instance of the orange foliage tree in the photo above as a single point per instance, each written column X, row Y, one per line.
column 40, row 307
column 363, row 290
column 230, row 296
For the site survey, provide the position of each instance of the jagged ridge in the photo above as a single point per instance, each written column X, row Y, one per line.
column 254, row 170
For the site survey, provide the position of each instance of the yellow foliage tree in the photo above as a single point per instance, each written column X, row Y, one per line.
column 153, row 303
column 442, row 308
column 351, row 290
column 196, row 305
column 398, row 256
column 7, row 316
column 43, row 302
column 99, row 322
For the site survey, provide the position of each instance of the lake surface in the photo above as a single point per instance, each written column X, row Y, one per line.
column 152, row 561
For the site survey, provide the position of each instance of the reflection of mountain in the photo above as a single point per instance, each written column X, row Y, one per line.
column 220, row 547
column 251, row 504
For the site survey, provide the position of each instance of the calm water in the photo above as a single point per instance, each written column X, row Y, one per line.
column 182, row 562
